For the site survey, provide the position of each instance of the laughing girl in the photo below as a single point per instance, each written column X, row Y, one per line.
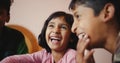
column 56, row 38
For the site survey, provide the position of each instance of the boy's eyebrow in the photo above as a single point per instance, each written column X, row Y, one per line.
column 74, row 13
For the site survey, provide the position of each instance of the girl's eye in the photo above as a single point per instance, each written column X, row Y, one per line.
column 50, row 25
column 64, row 27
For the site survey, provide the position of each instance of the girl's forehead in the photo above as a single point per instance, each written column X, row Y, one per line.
column 58, row 19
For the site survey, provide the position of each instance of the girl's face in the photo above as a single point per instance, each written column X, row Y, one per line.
column 58, row 34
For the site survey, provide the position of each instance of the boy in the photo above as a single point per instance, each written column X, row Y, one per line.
column 97, row 24
column 11, row 41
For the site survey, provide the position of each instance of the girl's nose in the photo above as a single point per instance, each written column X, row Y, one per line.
column 56, row 30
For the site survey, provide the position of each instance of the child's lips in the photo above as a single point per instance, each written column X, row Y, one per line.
column 55, row 39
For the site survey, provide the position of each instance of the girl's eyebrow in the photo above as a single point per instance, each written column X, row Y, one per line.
column 60, row 24
column 51, row 23
column 65, row 25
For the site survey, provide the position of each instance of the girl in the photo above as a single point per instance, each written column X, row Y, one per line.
column 57, row 40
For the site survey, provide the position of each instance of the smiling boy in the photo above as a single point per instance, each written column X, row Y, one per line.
column 97, row 24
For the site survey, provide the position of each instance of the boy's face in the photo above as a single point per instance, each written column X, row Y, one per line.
column 4, row 17
column 85, row 22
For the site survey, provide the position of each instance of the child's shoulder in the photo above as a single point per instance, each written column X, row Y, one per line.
column 69, row 56
column 71, row 51
column 43, row 51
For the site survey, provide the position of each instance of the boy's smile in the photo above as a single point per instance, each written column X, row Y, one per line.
column 86, row 23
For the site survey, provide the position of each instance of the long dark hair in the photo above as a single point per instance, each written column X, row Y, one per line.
column 69, row 19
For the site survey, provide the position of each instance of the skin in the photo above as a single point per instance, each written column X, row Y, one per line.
column 87, row 24
column 94, row 31
column 58, row 29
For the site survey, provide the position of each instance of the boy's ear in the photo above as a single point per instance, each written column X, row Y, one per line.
column 4, row 16
column 108, row 12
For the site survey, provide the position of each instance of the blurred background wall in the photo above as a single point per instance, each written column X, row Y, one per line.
column 32, row 14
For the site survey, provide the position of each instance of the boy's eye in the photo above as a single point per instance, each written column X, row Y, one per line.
column 77, row 16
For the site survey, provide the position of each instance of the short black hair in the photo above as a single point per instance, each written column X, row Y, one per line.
column 68, row 18
column 97, row 6
column 5, row 5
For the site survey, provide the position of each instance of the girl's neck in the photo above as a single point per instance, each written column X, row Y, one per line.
column 57, row 55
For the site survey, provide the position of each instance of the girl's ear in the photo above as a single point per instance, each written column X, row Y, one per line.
column 108, row 12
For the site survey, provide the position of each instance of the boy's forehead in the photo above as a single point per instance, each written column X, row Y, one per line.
column 78, row 5
column 79, row 8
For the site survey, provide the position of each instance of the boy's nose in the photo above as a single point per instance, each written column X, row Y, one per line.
column 74, row 27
